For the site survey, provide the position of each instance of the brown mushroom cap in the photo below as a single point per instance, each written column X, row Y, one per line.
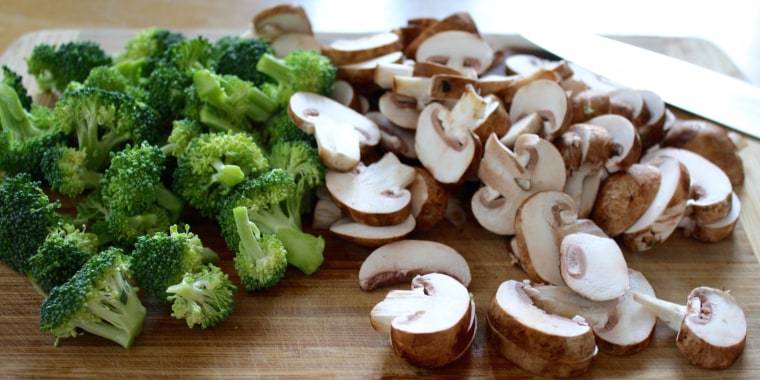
column 624, row 197
column 548, row 99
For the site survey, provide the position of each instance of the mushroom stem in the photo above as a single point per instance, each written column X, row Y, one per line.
column 669, row 312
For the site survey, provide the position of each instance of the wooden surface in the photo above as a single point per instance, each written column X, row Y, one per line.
column 318, row 326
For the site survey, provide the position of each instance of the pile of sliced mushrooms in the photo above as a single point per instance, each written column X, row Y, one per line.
column 423, row 110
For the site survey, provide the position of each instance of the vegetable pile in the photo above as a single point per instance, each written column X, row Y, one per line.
column 376, row 138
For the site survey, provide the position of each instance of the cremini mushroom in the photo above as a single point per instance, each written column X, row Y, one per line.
column 593, row 266
column 624, row 197
column 461, row 50
column 273, row 21
column 347, row 50
column 549, row 100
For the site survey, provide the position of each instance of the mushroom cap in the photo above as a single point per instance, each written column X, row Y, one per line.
column 631, row 190
column 462, row 50
column 593, row 266
column 548, row 99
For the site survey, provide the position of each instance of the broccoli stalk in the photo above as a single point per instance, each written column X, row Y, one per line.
column 231, row 103
column 99, row 298
column 204, row 298
column 299, row 70
column 15, row 81
column 261, row 260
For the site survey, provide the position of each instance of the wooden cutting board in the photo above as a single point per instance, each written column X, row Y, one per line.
column 318, row 326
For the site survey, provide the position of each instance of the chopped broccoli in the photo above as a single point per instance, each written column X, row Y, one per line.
column 214, row 163
column 145, row 49
column 299, row 70
column 183, row 131
column 107, row 78
column 166, row 91
column 60, row 256
column 27, row 216
column 237, row 55
column 282, row 128
column 65, row 170
column 261, row 259
column 301, row 160
column 266, row 198
column 230, row 103
column 105, row 121
column 205, row 297
column 99, row 298
column 162, row 259
column 13, row 79
column 189, row 55
column 55, row 67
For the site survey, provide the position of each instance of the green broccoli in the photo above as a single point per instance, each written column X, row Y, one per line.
column 144, row 49
column 105, row 121
column 265, row 197
column 237, row 55
column 65, row 170
column 99, row 298
column 27, row 216
column 213, row 164
column 108, row 78
column 299, row 70
column 25, row 135
column 261, row 259
column 230, row 103
column 60, row 256
column 183, row 131
column 189, row 55
column 281, row 128
column 54, row 67
column 13, row 79
column 205, row 297
column 166, row 90
column 301, row 160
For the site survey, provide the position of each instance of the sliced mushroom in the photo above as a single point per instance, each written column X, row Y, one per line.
column 710, row 188
column 325, row 213
column 400, row 110
column 652, row 129
column 593, row 266
column 549, row 100
column 633, row 101
column 539, row 342
column 624, row 197
column 386, row 71
column 394, row 139
column 431, row 325
column 341, row 132
column 292, row 41
column 461, row 21
column 510, row 177
column 344, row 93
column 364, row 72
column 374, row 194
column 710, row 141
column 531, row 123
column 283, row 18
column 590, row 103
column 363, row 48
column 715, row 231
column 403, row 260
column 712, row 328
column 369, row 235
column 626, row 146
column 485, row 115
column 429, row 200
column 461, row 50
column 665, row 211
column 448, row 150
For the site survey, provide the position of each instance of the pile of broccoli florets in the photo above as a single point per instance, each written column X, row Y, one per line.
column 140, row 144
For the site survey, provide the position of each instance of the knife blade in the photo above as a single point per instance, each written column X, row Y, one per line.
column 720, row 98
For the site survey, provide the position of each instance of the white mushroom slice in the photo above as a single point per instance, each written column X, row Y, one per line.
column 394, row 139
column 461, row 21
column 712, row 328
column 403, row 260
column 338, row 127
column 461, row 50
column 429, row 200
column 364, row 72
column 292, row 41
column 666, row 210
column 634, row 100
column 326, row 213
column 542, row 343
column 541, row 222
column 626, row 144
column 624, row 197
column 710, row 141
column 531, row 123
column 400, row 110
column 593, row 266
column 710, row 198
column 344, row 93
column 549, row 100
column 364, row 48
column 652, row 130
column 486, row 115
column 386, row 71
column 715, row 231
column 431, row 325
column 510, row 177
column 372, row 236
column 284, row 18
column 449, row 151
column 374, row 194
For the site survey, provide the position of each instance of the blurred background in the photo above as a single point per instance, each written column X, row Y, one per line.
column 733, row 25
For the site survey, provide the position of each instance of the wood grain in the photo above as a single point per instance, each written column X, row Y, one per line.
column 318, row 326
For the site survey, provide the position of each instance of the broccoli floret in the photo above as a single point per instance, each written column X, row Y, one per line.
column 260, row 260
column 145, row 49
column 162, row 259
column 166, row 91
column 301, row 160
column 55, row 67
column 212, row 165
column 13, row 79
column 107, row 78
column 237, row 55
column 183, row 131
column 60, row 256
column 99, row 299
column 65, row 170
column 105, row 121
column 265, row 198
column 230, row 103
column 299, row 70
column 204, row 298
column 282, row 128
column 27, row 216
column 189, row 55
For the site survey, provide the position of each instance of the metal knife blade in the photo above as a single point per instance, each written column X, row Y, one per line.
column 714, row 96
